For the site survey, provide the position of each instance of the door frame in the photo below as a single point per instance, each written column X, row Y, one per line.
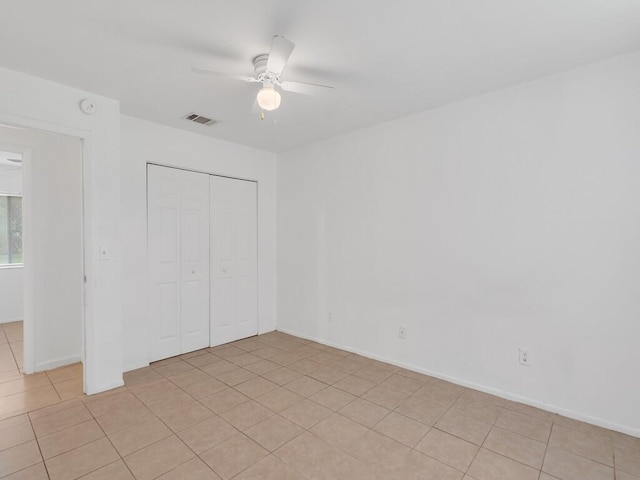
column 201, row 171
column 87, row 242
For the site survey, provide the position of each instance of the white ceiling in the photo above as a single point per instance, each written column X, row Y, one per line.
column 385, row 59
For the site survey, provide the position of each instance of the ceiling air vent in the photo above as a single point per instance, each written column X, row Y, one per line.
column 202, row 120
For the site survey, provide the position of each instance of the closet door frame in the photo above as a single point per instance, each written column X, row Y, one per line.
column 257, row 267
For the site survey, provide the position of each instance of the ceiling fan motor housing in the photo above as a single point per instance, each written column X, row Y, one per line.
column 267, row 68
column 260, row 64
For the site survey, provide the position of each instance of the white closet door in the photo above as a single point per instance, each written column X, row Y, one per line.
column 163, row 245
column 178, row 249
column 195, row 261
column 234, row 266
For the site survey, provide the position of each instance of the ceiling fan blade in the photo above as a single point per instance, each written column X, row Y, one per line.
column 255, row 108
column 281, row 49
column 305, row 88
column 204, row 71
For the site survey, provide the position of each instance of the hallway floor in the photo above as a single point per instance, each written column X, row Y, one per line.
column 279, row 407
column 20, row 393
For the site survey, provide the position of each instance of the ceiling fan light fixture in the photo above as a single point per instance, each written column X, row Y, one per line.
column 268, row 98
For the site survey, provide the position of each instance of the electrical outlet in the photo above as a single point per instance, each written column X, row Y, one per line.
column 402, row 333
column 330, row 317
column 524, row 357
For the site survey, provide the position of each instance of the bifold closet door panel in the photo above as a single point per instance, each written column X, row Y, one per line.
column 194, row 261
column 246, row 194
column 163, row 244
column 234, row 261
column 178, row 250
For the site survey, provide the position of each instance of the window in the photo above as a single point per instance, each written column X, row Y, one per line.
column 10, row 230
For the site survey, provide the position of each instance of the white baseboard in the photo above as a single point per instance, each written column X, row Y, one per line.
column 57, row 362
column 91, row 390
column 135, row 366
column 600, row 422
column 10, row 320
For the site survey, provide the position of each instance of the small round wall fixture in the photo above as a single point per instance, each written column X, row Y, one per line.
column 87, row 107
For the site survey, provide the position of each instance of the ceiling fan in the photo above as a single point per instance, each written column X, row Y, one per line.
column 267, row 69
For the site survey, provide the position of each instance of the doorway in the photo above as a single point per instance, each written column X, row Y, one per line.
column 11, row 298
column 47, row 342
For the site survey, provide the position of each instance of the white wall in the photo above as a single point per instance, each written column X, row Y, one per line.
column 11, row 181
column 10, row 294
column 11, row 277
column 145, row 142
column 41, row 104
column 52, row 218
column 509, row 220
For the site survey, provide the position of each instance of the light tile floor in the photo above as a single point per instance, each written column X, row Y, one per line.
column 278, row 407
column 20, row 393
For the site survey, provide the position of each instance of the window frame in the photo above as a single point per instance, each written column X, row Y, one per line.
column 8, row 229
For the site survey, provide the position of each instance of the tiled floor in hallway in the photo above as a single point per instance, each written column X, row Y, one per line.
column 279, row 407
column 21, row 393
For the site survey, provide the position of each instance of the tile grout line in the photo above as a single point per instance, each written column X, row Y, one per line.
column 432, row 427
column 546, row 448
column 578, row 454
column 440, row 418
column 326, row 385
column 44, row 461
column 493, row 425
column 485, row 440
column 254, row 400
column 270, row 453
column 110, row 442
column 46, row 468
column 337, row 412
column 174, row 433
column 13, row 354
